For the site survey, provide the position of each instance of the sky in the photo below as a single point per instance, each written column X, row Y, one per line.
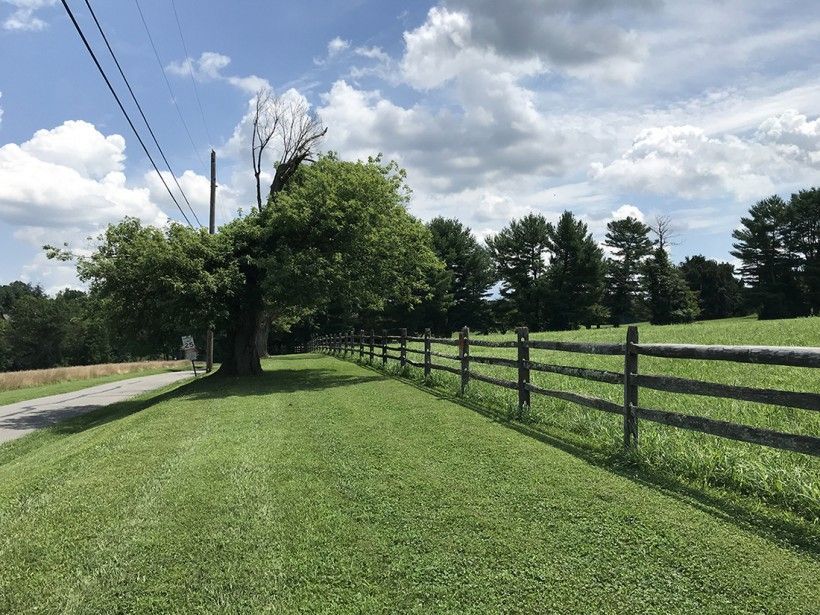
column 608, row 108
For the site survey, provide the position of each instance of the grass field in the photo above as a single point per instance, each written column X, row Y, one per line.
column 789, row 481
column 328, row 487
column 31, row 384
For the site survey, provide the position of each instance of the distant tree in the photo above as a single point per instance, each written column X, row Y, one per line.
column 520, row 253
column 665, row 233
column 470, row 273
column 574, row 281
column 669, row 298
column 629, row 241
column 803, row 220
column 34, row 333
column 12, row 292
column 766, row 247
column 719, row 293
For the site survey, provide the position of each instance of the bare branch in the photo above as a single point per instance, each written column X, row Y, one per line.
column 665, row 231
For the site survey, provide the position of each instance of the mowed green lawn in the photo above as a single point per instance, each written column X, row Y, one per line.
column 788, row 481
column 328, row 487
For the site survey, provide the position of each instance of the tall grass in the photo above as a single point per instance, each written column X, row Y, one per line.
column 787, row 480
column 10, row 381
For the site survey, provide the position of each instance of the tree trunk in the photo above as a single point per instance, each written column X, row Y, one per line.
column 241, row 356
column 262, row 334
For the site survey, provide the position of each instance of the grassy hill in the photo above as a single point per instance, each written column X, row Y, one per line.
column 329, row 487
column 787, row 480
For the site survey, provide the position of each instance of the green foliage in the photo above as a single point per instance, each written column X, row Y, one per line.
column 630, row 244
column 669, row 299
column 153, row 285
column 804, row 244
column 463, row 285
column 719, row 293
column 338, row 234
column 574, row 281
column 520, row 252
column 766, row 245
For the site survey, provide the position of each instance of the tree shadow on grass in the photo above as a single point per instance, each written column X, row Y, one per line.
column 728, row 507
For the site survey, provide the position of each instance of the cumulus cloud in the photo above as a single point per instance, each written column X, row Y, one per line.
column 209, row 67
column 24, row 17
column 685, row 161
column 69, row 176
column 581, row 39
column 337, row 46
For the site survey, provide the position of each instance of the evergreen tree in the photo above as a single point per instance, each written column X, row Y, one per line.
column 470, row 274
column 574, row 282
column 766, row 245
column 804, row 244
column 519, row 253
column 669, row 298
column 720, row 294
column 629, row 240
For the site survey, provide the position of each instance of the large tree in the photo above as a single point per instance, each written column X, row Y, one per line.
column 719, row 293
column 520, row 253
column 803, row 220
column 766, row 247
column 338, row 230
column 470, row 274
column 669, row 298
column 628, row 239
column 574, row 283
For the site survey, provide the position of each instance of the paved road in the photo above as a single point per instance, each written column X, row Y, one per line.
column 24, row 417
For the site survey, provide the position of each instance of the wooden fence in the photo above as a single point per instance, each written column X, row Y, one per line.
column 379, row 348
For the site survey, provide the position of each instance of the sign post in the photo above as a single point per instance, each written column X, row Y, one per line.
column 189, row 347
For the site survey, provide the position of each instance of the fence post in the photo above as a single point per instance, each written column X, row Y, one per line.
column 361, row 344
column 384, row 347
column 630, row 389
column 372, row 343
column 523, row 335
column 464, row 355
column 427, row 360
column 403, row 349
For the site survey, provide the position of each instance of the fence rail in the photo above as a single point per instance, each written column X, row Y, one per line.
column 376, row 347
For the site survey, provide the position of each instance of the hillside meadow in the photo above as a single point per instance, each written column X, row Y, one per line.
column 789, row 481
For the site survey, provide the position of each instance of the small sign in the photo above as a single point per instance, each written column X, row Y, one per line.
column 188, row 342
column 190, row 354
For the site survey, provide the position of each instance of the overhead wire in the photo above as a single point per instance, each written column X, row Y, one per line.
column 167, row 82
column 139, row 107
column 122, row 108
column 190, row 61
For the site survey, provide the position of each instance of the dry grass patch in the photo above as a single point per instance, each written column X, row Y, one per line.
column 10, row 381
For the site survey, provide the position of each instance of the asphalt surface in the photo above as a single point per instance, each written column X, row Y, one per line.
column 18, row 419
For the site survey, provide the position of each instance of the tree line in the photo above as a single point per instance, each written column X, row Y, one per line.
column 339, row 251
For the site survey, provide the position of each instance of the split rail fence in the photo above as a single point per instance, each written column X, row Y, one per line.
column 379, row 348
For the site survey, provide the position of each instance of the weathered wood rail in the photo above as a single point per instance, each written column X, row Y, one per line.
column 346, row 344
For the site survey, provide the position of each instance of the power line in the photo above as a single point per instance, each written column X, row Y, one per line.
column 168, row 83
column 139, row 107
column 191, row 72
column 124, row 112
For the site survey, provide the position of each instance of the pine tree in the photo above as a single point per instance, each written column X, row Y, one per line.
column 519, row 253
column 470, row 274
column 804, row 241
column 669, row 298
column 766, row 246
column 629, row 240
column 575, row 279
column 720, row 294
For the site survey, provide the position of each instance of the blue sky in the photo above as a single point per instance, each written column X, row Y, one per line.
column 693, row 110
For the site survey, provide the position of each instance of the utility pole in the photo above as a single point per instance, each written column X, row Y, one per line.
column 209, row 337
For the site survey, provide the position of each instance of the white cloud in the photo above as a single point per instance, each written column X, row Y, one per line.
column 66, row 184
column 209, row 67
column 684, row 161
column 337, row 46
column 628, row 211
column 23, row 17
